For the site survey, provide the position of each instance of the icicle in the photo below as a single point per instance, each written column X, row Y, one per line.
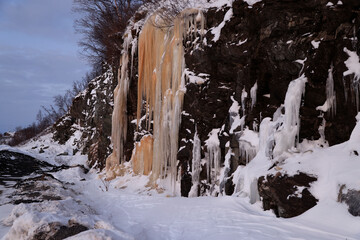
column 254, row 192
column 253, row 92
column 214, row 156
column 322, row 130
column 161, row 84
column 247, row 151
column 288, row 135
column 142, row 155
column 196, row 165
column 255, row 126
column 119, row 117
column 235, row 119
column 266, row 138
column 227, row 168
column 330, row 92
column 243, row 99
column 330, row 104
column 248, row 145
column 133, row 51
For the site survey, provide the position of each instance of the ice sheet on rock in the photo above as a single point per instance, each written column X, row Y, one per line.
column 353, row 65
column 196, row 79
column 235, row 120
column 315, row 44
column 216, row 31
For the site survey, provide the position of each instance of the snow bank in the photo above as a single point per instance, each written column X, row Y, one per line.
column 55, row 153
column 26, row 219
column 101, row 234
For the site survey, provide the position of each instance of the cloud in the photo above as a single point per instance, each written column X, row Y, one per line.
column 38, row 57
column 45, row 18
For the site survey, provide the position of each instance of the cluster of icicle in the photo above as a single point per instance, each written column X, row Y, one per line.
column 161, row 86
column 330, row 104
column 119, row 117
column 276, row 136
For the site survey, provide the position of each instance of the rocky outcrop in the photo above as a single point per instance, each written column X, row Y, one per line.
column 306, row 37
column 246, row 59
column 14, row 166
column 30, row 179
column 90, row 113
column 287, row 196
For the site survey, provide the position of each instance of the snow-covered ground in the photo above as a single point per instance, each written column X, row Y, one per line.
column 130, row 210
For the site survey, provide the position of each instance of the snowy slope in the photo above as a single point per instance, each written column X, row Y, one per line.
column 128, row 210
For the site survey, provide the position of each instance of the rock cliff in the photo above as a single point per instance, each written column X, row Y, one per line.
column 239, row 76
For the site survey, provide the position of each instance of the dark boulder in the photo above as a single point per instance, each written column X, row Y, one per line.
column 58, row 231
column 287, row 196
column 185, row 184
column 352, row 198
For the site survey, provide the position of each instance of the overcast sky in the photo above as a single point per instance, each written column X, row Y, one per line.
column 39, row 57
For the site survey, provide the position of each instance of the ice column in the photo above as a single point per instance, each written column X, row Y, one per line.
column 244, row 95
column 214, row 156
column 161, row 84
column 330, row 92
column 288, row 135
column 253, row 92
column 195, row 166
column 119, row 116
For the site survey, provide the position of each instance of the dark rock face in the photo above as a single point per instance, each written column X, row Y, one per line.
column 263, row 45
column 185, row 184
column 352, row 199
column 30, row 180
column 91, row 113
column 14, row 166
column 269, row 44
column 287, row 196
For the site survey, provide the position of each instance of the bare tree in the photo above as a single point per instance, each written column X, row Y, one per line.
column 102, row 24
